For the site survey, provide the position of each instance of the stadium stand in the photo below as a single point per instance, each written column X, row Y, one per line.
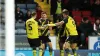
column 77, row 18
column 2, row 14
column 24, row 11
column 32, row 10
column 22, row 6
column 76, row 13
column 2, row 1
column 91, row 2
column 20, row 25
column 2, row 27
column 2, row 24
column 20, row 32
column 19, row 40
column 86, row 13
column 31, row 6
column 2, row 6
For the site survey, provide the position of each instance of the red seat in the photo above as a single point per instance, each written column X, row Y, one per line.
column 93, row 19
column 92, row 23
column 77, row 18
column 76, row 13
column 86, row 13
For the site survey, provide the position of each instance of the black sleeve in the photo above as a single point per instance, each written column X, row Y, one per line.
column 39, row 23
column 65, row 20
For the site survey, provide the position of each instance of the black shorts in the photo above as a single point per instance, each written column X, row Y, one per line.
column 34, row 42
column 45, row 39
column 62, row 39
column 73, row 39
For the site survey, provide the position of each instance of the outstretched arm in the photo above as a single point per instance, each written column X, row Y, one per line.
column 59, row 23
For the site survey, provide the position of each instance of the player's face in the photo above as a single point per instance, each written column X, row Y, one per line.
column 64, row 15
column 29, row 12
column 18, row 9
column 97, row 21
column 44, row 16
column 87, row 21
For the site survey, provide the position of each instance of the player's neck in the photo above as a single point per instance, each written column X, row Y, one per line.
column 33, row 17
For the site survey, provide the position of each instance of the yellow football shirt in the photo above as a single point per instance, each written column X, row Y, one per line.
column 32, row 28
column 71, row 26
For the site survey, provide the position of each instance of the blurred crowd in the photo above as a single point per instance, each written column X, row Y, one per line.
column 2, row 19
column 2, row 24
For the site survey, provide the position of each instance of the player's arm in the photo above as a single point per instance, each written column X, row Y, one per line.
column 59, row 23
column 50, row 28
column 42, row 27
column 56, row 24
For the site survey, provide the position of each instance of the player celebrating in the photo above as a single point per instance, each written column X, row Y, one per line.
column 32, row 33
column 71, row 28
column 62, row 35
column 44, row 36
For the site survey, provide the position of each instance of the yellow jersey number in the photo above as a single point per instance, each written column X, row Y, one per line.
column 30, row 26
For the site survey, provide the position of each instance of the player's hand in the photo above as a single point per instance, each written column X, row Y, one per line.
column 42, row 28
column 51, row 24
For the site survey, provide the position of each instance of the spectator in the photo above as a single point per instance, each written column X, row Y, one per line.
column 56, row 9
column 19, row 15
column 97, row 27
column 96, row 8
column 28, row 15
column 86, row 29
column 38, row 11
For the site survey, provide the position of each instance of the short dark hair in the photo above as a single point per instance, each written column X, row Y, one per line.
column 65, row 12
column 85, row 19
column 33, row 13
column 43, row 13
